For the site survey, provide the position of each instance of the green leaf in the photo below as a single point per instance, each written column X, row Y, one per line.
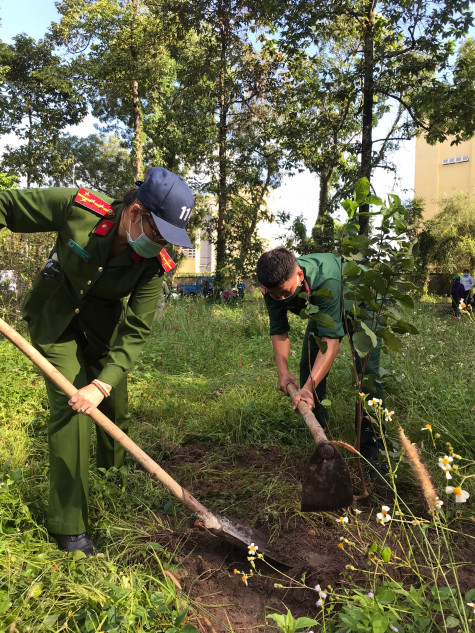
column 322, row 345
column 350, row 207
column 180, row 617
column 469, row 596
column 401, row 327
column 370, row 333
column 357, row 257
column 423, row 623
column 374, row 200
column 384, row 595
column 35, row 590
column 362, row 343
column 373, row 548
column 324, row 319
column 408, row 285
column 451, row 622
column 279, row 619
column 442, row 593
column 326, row 402
column 351, row 268
column 357, row 241
column 304, row 623
column 311, row 309
column 361, row 190
column 407, row 301
column 392, row 341
column 386, row 554
column 51, row 619
column 380, row 623
column 349, row 621
column 5, row 603
column 408, row 264
column 323, row 292
column 375, row 280
column 386, row 270
column 394, row 200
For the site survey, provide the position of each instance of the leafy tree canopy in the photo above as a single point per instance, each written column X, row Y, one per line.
column 40, row 96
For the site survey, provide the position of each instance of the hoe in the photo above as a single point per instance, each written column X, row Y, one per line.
column 326, row 479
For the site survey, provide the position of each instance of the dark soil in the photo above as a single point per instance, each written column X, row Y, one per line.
column 223, row 602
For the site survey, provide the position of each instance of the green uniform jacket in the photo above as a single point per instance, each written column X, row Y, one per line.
column 114, row 300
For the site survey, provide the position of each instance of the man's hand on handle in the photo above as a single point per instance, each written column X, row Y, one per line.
column 304, row 395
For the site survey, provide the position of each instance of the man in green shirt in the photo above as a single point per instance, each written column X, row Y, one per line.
column 283, row 278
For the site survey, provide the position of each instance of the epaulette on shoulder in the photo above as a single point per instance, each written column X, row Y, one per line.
column 92, row 202
column 165, row 260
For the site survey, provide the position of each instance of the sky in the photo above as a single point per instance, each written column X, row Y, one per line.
column 298, row 194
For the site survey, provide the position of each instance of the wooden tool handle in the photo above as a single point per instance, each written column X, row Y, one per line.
column 310, row 420
column 208, row 519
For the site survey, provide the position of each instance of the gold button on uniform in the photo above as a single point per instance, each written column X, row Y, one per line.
column 81, row 292
column 76, row 311
column 100, row 269
column 89, row 282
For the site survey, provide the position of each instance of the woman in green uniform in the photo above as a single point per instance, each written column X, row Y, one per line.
column 90, row 312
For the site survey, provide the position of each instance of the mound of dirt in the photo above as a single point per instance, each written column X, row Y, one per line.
column 212, row 570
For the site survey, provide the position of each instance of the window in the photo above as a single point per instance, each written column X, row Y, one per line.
column 456, row 159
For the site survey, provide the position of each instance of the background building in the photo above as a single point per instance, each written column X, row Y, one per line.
column 198, row 260
column 443, row 170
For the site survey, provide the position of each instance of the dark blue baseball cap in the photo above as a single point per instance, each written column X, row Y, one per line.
column 170, row 201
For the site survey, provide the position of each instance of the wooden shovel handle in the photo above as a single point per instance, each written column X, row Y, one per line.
column 208, row 519
column 310, row 420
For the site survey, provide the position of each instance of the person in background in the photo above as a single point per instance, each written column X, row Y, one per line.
column 241, row 286
column 457, row 293
column 90, row 312
column 468, row 284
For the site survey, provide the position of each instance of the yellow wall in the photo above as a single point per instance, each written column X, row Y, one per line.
column 434, row 181
column 187, row 265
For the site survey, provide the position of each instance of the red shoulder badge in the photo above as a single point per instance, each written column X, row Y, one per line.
column 93, row 203
column 165, row 260
column 104, row 227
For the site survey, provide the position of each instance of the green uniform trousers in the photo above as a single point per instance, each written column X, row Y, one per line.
column 370, row 440
column 69, row 434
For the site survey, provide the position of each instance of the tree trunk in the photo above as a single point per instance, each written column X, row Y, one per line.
column 222, row 138
column 368, row 104
column 325, row 180
column 137, row 150
column 137, row 143
column 30, row 143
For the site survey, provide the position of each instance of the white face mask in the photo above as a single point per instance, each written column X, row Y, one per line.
column 143, row 245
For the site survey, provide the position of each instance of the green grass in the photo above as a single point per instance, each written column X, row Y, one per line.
column 206, row 378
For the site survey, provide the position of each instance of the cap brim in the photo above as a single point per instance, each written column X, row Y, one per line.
column 173, row 234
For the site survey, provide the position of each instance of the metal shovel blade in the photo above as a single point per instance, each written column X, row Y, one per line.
column 326, row 478
column 241, row 535
column 326, row 481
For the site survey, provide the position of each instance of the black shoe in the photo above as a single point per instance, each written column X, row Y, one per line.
column 377, row 470
column 75, row 542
